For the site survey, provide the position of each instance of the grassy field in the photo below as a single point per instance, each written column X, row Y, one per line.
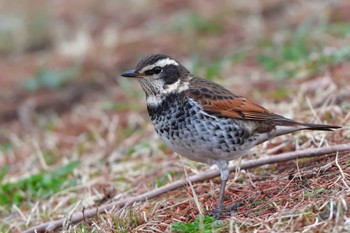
column 74, row 135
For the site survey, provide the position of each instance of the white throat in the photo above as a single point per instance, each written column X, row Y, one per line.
column 155, row 100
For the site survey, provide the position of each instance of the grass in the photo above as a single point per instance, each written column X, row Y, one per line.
column 37, row 186
column 278, row 60
column 197, row 23
column 203, row 224
column 49, row 78
column 302, row 54
column 211, row 71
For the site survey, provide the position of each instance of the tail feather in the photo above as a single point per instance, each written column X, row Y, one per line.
column 319, row 127
column 290, row 126
column 283, row 121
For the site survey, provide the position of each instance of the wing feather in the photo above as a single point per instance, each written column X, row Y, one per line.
column 237, row 107
column 218, row 101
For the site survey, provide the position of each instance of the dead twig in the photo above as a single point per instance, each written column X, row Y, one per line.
column 77, row 217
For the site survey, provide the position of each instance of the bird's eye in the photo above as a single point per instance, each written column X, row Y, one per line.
column 157, row 70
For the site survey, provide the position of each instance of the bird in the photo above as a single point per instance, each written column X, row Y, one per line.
column 203, row 121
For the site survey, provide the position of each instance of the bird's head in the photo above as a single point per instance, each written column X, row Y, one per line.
column 159, row 75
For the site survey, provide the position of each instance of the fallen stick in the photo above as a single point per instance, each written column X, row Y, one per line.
column 77, row 217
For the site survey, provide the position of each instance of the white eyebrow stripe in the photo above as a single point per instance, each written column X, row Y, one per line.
column 166, row 61
column 161, row 63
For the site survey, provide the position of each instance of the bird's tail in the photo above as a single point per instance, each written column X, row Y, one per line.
column 293, row 126
column 319, row 127
column 290, row 125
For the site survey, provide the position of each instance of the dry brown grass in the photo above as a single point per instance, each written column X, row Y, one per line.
column 104, row 124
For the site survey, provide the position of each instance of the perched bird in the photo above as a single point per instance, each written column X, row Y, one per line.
column 202, row 120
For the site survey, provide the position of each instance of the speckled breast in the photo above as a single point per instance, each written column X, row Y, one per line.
column 189, row 131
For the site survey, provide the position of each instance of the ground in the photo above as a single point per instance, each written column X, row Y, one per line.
column 74, row 135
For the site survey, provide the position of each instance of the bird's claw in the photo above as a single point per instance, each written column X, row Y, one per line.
column 217, row 213
column 228, row 211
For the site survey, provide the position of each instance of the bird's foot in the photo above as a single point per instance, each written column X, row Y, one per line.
column 218, row 213
column 225, row 211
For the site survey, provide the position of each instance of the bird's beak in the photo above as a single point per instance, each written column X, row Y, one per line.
column 131, row 74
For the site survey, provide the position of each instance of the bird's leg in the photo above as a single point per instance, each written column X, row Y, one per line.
column 221, row 195
column 224, row 173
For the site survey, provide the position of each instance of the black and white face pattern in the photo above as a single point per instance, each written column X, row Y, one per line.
column 160, row 75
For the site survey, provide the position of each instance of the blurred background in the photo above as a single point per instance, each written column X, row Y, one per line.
column 64, row 105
